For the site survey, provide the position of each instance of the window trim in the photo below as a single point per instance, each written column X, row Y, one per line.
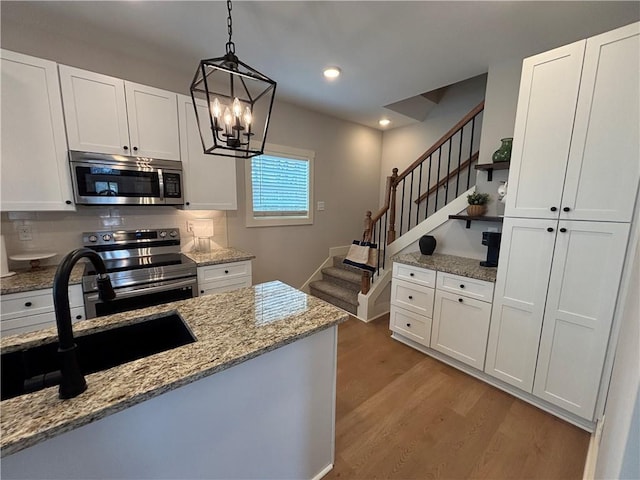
column 279, row 220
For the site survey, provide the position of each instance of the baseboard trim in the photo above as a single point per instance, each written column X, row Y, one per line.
column 323, row 472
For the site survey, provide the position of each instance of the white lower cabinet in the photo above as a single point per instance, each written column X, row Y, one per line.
column 461, row 319
column 224, row 277
column 29, row 311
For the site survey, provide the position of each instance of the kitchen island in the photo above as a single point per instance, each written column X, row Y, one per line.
column 253, row 397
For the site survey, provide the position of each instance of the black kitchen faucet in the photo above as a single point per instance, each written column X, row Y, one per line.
column 73, row 382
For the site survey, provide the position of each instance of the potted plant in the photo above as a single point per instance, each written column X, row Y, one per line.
column 477, row 204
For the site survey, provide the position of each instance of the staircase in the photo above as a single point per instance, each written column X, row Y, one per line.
column 339, row 286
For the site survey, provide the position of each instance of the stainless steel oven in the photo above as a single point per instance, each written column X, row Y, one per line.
column 100, row 179
column 146, row 269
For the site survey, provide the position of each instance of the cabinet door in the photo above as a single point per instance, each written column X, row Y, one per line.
column 583, row 287
column 95, row 111
column 526, row 253
column 35, row 169
column 153, row 122
column 604, row 162
column 542, row 132
column 210, row 180
column 460, row 327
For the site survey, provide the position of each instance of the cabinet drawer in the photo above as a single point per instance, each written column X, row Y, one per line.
column 461, row 328
column 469, row 287
column 31, row 323
column 420, row 276
column 36, row 302
column 223, row 271
column 413, row 297
column 224, row 285
column 411, row 325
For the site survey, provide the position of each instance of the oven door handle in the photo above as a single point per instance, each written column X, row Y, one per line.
column 136, row 291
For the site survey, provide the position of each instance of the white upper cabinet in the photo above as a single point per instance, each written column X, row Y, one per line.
column 35, row 171
column 604, row 161
column 582, row 295
column 576, row 148
column 210, row 180
column 109, row 115
column 542, row 132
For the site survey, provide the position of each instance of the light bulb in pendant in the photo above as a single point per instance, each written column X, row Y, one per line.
column 247, row 117
column 215, row 108
column 237, row 108
column 228, row 118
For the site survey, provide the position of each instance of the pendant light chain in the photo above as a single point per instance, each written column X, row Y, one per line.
column 231, row 47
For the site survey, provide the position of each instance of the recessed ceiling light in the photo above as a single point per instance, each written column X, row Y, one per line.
column 384, row 122
column 332, row 73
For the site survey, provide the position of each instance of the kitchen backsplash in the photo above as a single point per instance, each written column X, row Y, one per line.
column 61, row 232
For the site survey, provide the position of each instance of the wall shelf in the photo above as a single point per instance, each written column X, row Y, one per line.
column 481, row 218
column 490, row 167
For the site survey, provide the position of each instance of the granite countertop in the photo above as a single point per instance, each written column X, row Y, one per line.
column 230, row 327
column 465, row 267
column 36, row 279
column 222, row 255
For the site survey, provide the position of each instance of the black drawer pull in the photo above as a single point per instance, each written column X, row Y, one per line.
column 28, row 304
column 553, row 209
column 226, row 271
column 566, row 209
column 460, row 300
column 135, row 149
column 408, row 324
column 411, row 274
column 462, row 286
column 125, row 147
column 563, row 230
column 410, row 297
column 549, row 229
column 78, row 317
column 68, row 202
column 201, row 291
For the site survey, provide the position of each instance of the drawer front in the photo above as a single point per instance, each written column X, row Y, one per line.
column 36, row 302
column 420, row 276
column 224, row 271
column 469, row 287
column 224, row 285
column 413, row 297
column 461, row 328
column 411, row 325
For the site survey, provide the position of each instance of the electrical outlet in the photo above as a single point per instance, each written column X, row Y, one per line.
column 189, row 226
column 24, row 232
column 320, row 206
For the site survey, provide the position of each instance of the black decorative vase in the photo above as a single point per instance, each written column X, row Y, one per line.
column 427, row 244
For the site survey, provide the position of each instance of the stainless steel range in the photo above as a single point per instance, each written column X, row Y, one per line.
column 145, row 266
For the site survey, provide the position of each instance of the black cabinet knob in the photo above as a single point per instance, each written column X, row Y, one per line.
column 549, row 229
column 78, row 317
column 187, row 203
column 566, row 209
column 411, row 274
column 410, row 297
column 553, row 209
column 563, row 230
column 201, row 291
column 408, row 324
column 226, row 271
column 135, row 149
column 28, row 304
column 460, row 300
column 461, row 286
column 124, row 147
column 68, row 202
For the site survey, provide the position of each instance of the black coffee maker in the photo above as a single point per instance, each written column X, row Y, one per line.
column 492, row 241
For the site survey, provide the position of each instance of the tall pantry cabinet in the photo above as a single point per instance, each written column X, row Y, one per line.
column 572, row 189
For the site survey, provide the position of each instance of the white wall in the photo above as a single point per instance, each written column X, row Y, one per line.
column 347, row 169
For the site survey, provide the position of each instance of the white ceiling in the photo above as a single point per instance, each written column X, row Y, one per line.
column 388, row 51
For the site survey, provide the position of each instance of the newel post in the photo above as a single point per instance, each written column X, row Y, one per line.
column 391, row 234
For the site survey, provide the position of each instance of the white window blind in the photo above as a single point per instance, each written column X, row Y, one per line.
column 280, row 186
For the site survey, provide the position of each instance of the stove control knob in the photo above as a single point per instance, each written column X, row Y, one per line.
column 173, row 233
column 93, row 238
column 106, row 237
column 163, row 234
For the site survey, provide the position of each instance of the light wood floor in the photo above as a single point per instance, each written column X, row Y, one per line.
column 403, row 415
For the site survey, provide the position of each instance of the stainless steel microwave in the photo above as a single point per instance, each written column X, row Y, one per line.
column 100, row 179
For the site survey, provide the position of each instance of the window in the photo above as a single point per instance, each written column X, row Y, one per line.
column 280, row 187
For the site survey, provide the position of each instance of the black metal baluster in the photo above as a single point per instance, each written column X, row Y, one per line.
column 402, row 206
column 418, row 197
column 459, row 161
column 438, row 177
column 410, row 201
column 378, row 243
column 446, row 192
column 426, row 208
column 473, row 125
column 386, row 229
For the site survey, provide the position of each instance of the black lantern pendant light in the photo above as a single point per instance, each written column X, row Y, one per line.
column 233, row 104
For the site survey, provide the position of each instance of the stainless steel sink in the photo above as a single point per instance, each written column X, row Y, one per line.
column 35, row 368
